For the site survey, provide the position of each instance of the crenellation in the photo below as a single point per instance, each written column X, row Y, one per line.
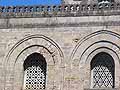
column 63, row 10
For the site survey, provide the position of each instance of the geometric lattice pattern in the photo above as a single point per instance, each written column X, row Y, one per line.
column 35, row 78
column 35, row 72
column 102, row 77
column 103, row 71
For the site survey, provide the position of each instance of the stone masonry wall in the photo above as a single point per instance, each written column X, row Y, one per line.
column 69, row 37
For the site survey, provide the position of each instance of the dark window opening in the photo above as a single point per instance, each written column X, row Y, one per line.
column 35, row 72
column 102, row 71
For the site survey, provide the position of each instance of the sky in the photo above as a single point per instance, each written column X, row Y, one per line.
column 29, row 2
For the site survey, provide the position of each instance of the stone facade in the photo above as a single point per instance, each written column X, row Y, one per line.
column 67, row 39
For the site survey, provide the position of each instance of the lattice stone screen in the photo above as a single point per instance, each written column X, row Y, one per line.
column 34, row 72
column 102, row 71
column 35, row 78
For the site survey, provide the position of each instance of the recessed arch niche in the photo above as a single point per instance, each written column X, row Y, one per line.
column 85, row 50
column 40, row 44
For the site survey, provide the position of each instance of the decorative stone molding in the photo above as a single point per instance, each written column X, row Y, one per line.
column 13, row 65
column 89, row 46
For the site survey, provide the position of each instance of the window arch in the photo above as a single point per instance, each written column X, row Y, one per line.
column 102, row 71
column 35, row 72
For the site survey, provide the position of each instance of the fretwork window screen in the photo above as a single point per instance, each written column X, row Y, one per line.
column 35, row 72
column 102, row 71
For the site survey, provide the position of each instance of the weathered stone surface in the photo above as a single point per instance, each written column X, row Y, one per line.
column 67, row 43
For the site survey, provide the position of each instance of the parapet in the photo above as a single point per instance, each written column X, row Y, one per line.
column 64, row 10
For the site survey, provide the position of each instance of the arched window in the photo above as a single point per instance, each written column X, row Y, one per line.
column 35, row 72
column 102, row 71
